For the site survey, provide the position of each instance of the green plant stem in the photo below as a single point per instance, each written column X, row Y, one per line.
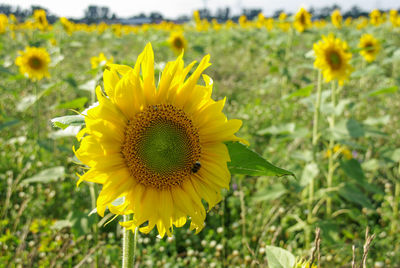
column 128, row 245
column 95, row 227
column 315, row 137
column 331, row 167
column 395, row 207
column 37, row 111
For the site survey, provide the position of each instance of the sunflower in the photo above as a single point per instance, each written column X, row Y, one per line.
column 100, row 60
column 177, row 42
column 369, row 47
column 302, row 20
column 336, row 18
column 332, row 57
column 3, row 23
column 375, row 17
column 40, row 19
column 159, row 149
column 33, row 62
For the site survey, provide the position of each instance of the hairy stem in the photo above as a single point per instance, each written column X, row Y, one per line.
column 128, row 245
column 331, row 167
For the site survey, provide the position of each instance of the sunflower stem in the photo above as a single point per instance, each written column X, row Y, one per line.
column 315, row 137
column 331, row 167
column 129, row 242
column 37, row 111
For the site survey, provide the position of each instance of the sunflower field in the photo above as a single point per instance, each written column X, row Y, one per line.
column 253, row 143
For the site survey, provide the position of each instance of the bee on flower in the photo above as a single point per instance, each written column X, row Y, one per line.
column 100, row 60
column 160, row 147
column 302, row 20
column 33, row 63
column 333, row 58
column 370, row 47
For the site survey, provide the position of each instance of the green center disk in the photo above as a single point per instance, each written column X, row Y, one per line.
column 164, row 147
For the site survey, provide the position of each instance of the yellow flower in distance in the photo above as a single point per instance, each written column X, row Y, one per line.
column 375, row 17
column 332, row 57
column 177, row 42
column 336, row 18
column 302, row 20
column 3, row 23
column 34, row 63
column 41, row 19
column 301, row 263
column 370, row 47
column 100, row 60
column 160, row 148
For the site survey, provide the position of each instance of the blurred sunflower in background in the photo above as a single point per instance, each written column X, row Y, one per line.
column 302, row 20
column 33, row 62
column 336, row 18
column 375, row 17
column 177, row 42
column 40, row 19
column 370, row 47
column 332, row 57
column 159, row 149
column 100, row 60
column 3, row 23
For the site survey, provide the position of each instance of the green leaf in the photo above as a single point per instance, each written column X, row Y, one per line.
column 372, row 121
column 310, row 171
column 354, row 128
column 68, row 120
column 302, row 92
column 353, row 194
column 353, row 169
column 9, row 123
column 276, row 130
column 245, row 161
column 271, row 193
column 74, row 104
column 89, row 86
column 47, row 175
column 26, row 102
column 279, row 257
column 383, row 91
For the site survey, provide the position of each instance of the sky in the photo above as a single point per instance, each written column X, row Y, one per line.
column 174, row 8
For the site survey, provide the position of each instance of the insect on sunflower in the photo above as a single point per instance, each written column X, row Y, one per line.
column 177, row 42
column 160, row 148
column 33, row 62
column 332, row 57
column 370, row 47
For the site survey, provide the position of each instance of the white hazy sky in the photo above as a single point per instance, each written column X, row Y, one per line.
column 174, row 8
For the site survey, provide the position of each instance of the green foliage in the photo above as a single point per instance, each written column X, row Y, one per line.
column 264, row 218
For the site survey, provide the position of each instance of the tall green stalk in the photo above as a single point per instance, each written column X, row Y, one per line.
column 331, row 167
column 128, row 245
column 37, row 110
column 315, row 137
